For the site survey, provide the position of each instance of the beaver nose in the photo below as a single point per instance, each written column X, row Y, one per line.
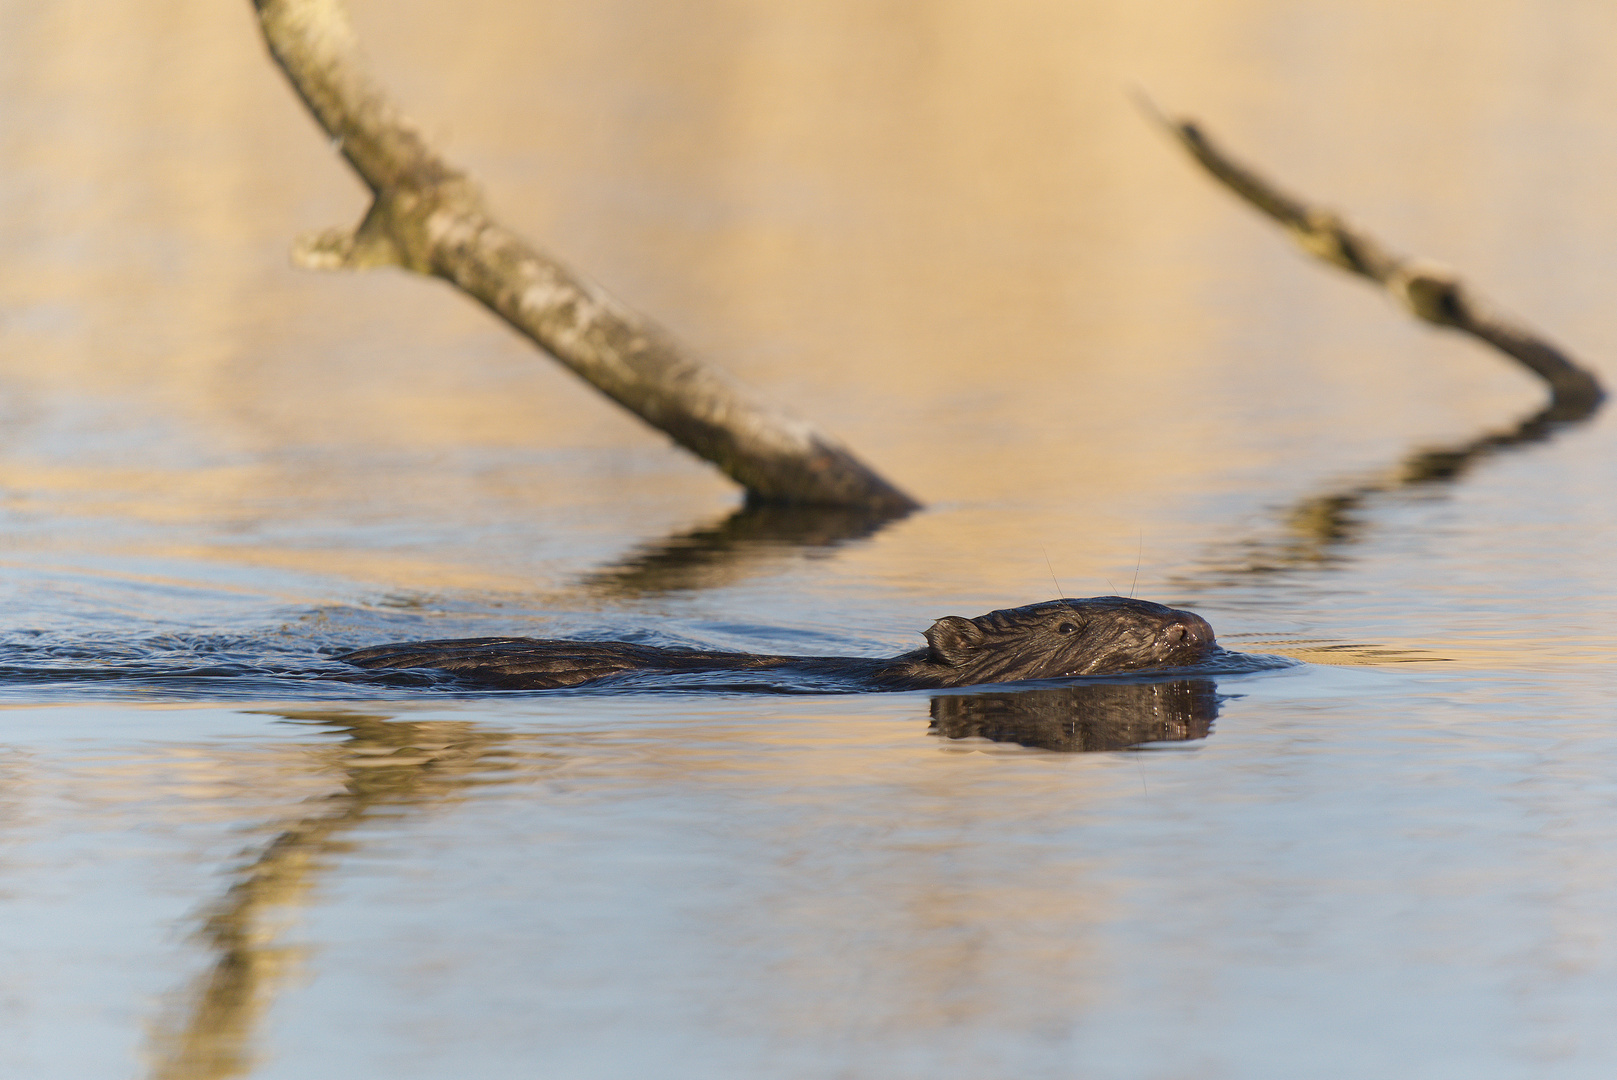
column 1188, row 630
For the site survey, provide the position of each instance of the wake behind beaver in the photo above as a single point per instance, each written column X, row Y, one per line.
column 1101, row 635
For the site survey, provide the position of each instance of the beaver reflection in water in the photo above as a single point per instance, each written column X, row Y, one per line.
column 1098, row 636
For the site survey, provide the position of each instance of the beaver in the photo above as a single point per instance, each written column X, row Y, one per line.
column 1101, row 635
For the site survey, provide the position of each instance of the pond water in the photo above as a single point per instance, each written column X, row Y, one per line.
column 942, row 232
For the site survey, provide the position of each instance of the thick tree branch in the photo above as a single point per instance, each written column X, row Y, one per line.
column 429, row 217
column 1428, row 290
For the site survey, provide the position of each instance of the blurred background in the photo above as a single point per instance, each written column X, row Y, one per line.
column 939, row 230
column 943, row 232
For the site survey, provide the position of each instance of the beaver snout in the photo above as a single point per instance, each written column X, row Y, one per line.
column 1185, row 640
column 1189, row 631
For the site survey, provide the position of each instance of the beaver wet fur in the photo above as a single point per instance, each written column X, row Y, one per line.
column 1101, row 635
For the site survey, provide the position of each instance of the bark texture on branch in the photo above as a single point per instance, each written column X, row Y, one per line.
column 1428, row 290
column 429, row 217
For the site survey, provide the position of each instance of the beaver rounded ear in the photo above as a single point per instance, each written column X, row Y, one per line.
column 953, row 638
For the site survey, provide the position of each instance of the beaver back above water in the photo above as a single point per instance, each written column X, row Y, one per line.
column 1098, row 636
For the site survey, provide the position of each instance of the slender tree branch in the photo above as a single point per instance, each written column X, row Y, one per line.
column 429, row 217
column 1428, row 290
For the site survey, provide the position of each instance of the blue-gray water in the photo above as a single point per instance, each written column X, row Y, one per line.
column 943, row 233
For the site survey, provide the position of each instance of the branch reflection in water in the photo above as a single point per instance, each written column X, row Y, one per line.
column 1319, row 527
column 389, row 768
column 754, row 539
column 384, row 766
column 1082, row 718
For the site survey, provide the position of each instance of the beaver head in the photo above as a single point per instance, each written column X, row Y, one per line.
column 1097, row 636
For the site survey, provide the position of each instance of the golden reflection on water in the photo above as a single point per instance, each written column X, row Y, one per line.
column 379, row 765
column 940, row 231
column 937, row 229
column 379, row 771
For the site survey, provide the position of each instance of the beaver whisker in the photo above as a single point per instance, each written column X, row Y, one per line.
column 1061, row 592
column 1139, row 552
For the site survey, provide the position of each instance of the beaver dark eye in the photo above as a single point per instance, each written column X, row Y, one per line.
column 1066, row 628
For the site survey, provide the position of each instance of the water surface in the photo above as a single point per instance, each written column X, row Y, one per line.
column 942, row 233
